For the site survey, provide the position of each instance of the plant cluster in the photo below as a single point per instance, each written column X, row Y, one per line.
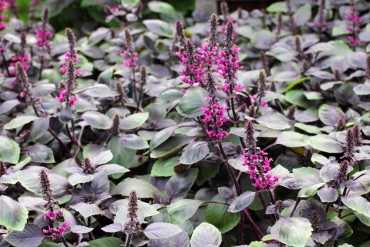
column 237, row 129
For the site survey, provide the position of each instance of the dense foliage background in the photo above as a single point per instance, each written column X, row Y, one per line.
column 149, row 123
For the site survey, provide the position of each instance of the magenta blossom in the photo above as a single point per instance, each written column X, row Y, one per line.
column 214, row 116
column 257, row 167
column 131, row 59
column 63, row 97
column 43, row 37
column 353, row 26
column 2, row 17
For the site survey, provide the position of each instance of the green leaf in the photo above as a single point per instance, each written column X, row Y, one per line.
column 160, row 27
column 97, row 120
column 311, row 129
column 134, row 121
column 310, row 190
column 161, row 7
column 326, row 144
column 217, row 215
column 133, row 141
column 192, row 102
column 277, row 7
column 159, row 230
column 19, row 122
column 330, row 115
column 182, row 210
column 293, row 231
column 31, row 236
column 142, row 188
column 41, row 154
column 12, row 215
column 194, row 152
column 99, row 91
column 357, row 203
column 242, row 202
column 275, row 121
column 165, row 167
column 206, row 235
column 106, row 242
column 295, row 83
column 9, row 150
column 303, row 15
column 293, row 139
column 162, row 136
column 296, row 97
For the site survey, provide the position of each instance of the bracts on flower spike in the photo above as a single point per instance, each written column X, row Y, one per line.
column 25, row 83
column 257, row 162
column 67, row 95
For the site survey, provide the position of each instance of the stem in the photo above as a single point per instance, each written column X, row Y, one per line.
column 41, row 67
column 140, row 96
column 295, row 206
column 6, row 64
column 128, row 240
column 134, row 84
column 64, row 241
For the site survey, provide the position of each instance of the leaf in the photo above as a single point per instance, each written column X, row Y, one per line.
column 81, row 229
column 295, row 83
column 160, row 230
column 87, row 210
column 192, row 102
column 12, row 215
column 297, row 97
column 19, row 122
column 194, row 152
column 106, row 242
column 41, row 154
column 182, row 210
column 142, row 188
column 303, row 15
column 160, row 27
column 327, row 194
column 293, row 231
column 101, row 158
column 330, row 115
column 263, row 39
column 241, row 202
column 162, row 136
column 99, row 91
column 133, row 141
column 180, row 183
column 133, row 121
column 31, row 236
column 9, row 150
column 217, row 215
column 277, row 7
column 357, row 203
column 39, row 128
column 206, row 235
column 8, row 105
column 97, row 120
column 161, row 7
column 165, row 167
column 326, row 144
column 274, row 121
column 292, row 139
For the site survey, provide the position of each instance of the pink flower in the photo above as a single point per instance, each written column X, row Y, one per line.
column 51, row 215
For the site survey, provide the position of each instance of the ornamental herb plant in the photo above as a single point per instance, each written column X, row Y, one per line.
column 153, row 126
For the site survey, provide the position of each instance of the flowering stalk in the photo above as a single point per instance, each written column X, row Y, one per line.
column 291, row 18
column 353, row 27
column 228, row 66
column 214, row 113
column 257, row 162
column 2, row 17
column 142, row 83
column 54, row 229
column 256, row 99
column 32, row 11
column 21, row 57
column 25, row 83
column 43, row 35
column 67, row 95
column 71, row 54
column 130, row 59
column 132, row 227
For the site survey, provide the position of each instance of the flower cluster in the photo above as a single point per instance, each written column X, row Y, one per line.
column 129, row 54
column 71, row 54
column 192, row 72
column 2, row 17
column 228, row 61
column 214, row 113
column 66, row 95
column 60, row 229
column 43, row 35
column 21, row 57
column 257, row 162
column 354, row 21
